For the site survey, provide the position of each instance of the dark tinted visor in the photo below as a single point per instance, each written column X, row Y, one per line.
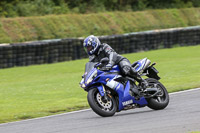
column 89, row 48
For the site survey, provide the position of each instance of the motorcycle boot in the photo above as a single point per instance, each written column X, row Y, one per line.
column 128, row 70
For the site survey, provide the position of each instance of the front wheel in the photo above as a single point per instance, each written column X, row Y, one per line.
column 161, row 100
column 101, row 107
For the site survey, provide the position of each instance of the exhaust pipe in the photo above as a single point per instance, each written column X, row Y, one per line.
column 151, row 90
column 155, row 91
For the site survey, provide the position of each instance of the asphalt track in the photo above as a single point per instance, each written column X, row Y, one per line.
column 181, row 116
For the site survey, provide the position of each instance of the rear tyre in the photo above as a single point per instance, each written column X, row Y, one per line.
column 99, row 106
column 161, row 100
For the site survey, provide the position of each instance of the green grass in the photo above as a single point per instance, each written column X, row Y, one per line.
column 22, row 29
column 41, row 90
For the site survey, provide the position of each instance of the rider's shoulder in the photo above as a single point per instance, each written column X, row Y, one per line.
column 104, row 45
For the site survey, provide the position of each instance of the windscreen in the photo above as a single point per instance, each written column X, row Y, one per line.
column 88, row 68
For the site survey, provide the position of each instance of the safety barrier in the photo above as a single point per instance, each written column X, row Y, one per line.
column 58, row 50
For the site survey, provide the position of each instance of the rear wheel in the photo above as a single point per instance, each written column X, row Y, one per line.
column 161, row 100
column 100, row 106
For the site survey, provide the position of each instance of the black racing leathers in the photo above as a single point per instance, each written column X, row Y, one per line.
column 114, row 59
column 106, row 51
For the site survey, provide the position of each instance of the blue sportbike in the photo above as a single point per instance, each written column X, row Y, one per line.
column 110, row 92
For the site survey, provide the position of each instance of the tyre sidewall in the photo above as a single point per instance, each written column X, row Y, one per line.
column 96, row 108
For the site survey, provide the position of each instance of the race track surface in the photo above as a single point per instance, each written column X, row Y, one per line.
column 181, row 116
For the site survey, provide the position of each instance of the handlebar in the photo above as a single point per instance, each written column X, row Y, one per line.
column 102, row 67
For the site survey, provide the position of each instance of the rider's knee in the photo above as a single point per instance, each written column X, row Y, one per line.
column 126, row 70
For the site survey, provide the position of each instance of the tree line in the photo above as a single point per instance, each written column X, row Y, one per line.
column 14, row 8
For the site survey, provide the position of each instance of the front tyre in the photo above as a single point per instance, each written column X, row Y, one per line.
column 161, row 100
column 99, row 106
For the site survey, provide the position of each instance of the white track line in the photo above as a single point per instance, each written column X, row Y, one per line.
column 47, row 116
column 174, row 93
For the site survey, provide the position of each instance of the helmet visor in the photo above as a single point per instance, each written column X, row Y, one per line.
column 89, row 48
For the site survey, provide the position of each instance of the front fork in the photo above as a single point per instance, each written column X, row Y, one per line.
column 103, row 93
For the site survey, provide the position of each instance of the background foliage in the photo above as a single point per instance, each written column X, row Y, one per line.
column 13, row 8
column 22, row 29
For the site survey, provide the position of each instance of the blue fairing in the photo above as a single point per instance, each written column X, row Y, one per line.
column 125, row 96
column 101, row 79
column 139, row 66
column 115, row 69
column 100, row 88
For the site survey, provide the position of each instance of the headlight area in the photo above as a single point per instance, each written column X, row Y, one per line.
column 82, row 85
column 91, row 77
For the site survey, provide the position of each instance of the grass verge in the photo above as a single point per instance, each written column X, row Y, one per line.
column 41, row 90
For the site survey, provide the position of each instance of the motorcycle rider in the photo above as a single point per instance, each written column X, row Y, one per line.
column 97, row 50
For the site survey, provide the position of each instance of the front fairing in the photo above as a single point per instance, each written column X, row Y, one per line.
column 91, row 73
column 94, row 76
column 91, row 76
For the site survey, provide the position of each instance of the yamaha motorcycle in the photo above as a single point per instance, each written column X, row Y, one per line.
column 110, row 92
